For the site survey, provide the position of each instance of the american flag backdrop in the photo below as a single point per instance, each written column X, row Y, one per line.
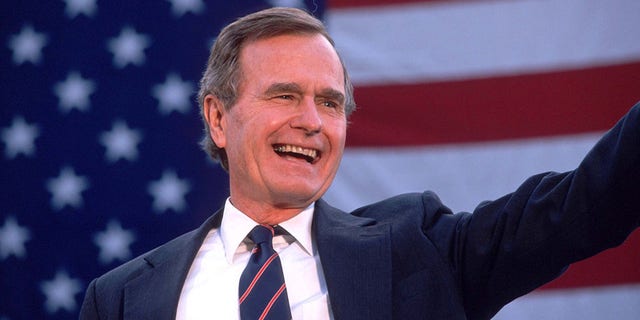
column 99, row 129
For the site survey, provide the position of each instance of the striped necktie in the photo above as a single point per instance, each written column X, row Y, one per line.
column 262, row 291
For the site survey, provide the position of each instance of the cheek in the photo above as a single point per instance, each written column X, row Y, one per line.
column 338, row 133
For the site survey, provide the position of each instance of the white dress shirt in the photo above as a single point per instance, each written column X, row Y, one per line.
column 211, row 288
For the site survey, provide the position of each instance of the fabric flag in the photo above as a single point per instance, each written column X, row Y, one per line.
column 99, row 128
column 469, row 98
column 99, row 135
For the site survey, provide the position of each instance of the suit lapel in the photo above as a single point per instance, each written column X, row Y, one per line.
column 154, row 294
column 356, row 260
column 355, row 254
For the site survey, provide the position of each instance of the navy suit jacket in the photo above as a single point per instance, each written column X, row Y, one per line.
column 410, row 257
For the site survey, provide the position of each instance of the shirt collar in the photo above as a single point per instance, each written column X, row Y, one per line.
column 236, row 225
column 299, row 226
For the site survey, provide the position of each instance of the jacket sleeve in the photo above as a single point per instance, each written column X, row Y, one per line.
column 514, row 244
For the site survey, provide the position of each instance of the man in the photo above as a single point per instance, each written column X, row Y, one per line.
column 275, row 99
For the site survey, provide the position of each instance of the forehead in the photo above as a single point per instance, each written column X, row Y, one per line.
column 291, row 56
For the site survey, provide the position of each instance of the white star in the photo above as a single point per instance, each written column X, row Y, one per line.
column 128, row 48
column 114, row 243
column 74, row 92
column 173, row 94
column 168, row 192
column 60, row 292
column 76, row 7
column 27, row 46
column 66, row 189
column 121, row 142
column 180, row 7
column 12, row 239
column 19, row 138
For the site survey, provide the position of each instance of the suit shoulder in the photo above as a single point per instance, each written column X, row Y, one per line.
column 115, row 279
column 426, row 204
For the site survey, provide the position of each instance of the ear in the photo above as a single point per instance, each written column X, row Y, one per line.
column 214, row 114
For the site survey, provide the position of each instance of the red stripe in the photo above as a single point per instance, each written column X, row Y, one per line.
column 257, row 277
column 272, row 301
column 498, row 108
column 370, row 3
column 617, row 266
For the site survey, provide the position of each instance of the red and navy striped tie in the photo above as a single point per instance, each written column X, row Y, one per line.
column 262, row 291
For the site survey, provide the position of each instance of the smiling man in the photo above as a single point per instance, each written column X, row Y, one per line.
column 275, row 100
column 285, row 133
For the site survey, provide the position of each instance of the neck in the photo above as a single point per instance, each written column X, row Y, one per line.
column 267, row 214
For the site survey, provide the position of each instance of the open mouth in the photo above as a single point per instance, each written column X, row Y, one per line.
column 309, row 155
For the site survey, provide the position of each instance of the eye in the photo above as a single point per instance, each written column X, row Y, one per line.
column 330, row 104
column 285, row 97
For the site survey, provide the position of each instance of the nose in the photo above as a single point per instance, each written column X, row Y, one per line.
column 307, row 117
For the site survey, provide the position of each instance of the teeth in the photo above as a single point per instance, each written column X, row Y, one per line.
column 311, row 153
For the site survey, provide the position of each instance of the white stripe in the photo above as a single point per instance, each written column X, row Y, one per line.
column 464, row 39
column 616, row 302
column 462, row 175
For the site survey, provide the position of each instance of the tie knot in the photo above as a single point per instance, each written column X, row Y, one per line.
column 261, row 234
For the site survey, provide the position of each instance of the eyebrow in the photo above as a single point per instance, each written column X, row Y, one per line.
column 281, row 87
column 292, row 87
column 332, row 94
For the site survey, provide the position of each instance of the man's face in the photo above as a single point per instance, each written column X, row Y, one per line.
column 285, row 135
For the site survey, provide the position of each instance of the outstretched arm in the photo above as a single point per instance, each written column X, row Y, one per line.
column 512, row 245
